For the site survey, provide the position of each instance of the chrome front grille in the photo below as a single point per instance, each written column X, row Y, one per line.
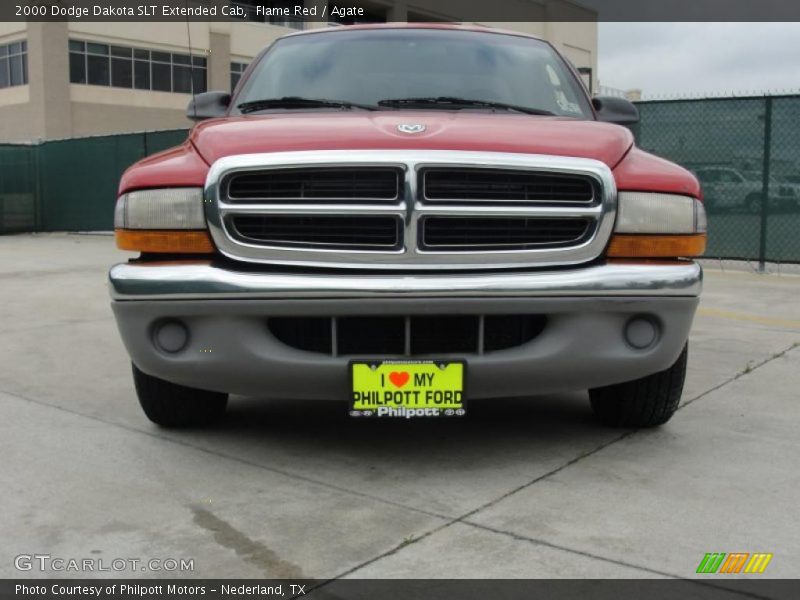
column 413, row 210
column 502, row 186
column 301, row 184
column 355, row 232
column 502, row 233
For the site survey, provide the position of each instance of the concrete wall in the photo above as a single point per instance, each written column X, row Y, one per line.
column 48, row 74
column 99, row 119
column 10, row 30
column 98, row 113
column 15, row 123
column 19, row 94
column 219, row 70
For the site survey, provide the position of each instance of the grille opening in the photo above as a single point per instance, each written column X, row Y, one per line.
column 341, row 183
column 355, row 232
column 499, row 185
column 388, row 336
column 431, row 335
column 370, row 335
column 502, row 233
column 501, row 332
column 312, row 334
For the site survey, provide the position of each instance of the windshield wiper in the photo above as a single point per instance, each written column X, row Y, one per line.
column 459, row 103
column 298, row 102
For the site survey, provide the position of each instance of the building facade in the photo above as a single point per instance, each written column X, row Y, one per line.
column 79, row 78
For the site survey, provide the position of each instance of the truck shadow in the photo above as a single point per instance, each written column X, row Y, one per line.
column 443, row 465
column 326, row 424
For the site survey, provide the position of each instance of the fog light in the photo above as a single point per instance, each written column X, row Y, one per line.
column 641, row 332
column 172, row 336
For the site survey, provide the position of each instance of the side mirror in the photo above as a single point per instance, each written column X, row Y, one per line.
column 208, row 105
column 615, row 110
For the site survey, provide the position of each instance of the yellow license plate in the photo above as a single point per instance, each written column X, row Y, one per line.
column 407, row 389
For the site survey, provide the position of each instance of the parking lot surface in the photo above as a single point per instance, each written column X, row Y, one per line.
column 521, row 488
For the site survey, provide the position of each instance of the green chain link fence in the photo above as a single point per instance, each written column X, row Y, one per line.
column 18, row 198
column 70, row 185
column 743, row 150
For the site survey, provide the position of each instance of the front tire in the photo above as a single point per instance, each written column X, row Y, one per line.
column 646, row 402
column 171, row 405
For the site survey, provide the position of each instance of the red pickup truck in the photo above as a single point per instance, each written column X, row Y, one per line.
column 407, row 218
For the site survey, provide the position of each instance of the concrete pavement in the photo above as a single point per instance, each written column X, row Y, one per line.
column 523, row 488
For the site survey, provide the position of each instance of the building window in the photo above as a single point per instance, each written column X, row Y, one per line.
column 14, row 64
column 237, row 69
column 135, row 68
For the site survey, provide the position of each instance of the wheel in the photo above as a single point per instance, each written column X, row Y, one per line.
column 172, row 405
column 645, row 402
column 753, row 204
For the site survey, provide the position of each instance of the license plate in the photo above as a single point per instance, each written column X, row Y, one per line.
column 407, row 389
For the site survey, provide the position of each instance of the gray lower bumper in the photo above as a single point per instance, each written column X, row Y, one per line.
column 231, row 349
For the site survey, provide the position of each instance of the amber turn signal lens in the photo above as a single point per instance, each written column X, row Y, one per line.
column 656, row 246
column 174, row 242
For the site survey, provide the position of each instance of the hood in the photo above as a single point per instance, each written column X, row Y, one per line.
column 444, row 130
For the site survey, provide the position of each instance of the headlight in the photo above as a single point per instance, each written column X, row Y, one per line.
column 169, row 208
column 654, row 225
column 162, row 220
column 641, row 212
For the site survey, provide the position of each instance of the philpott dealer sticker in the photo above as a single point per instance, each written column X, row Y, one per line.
column 407, row 389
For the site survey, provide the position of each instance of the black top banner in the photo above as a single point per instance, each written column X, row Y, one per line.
column 355, row 11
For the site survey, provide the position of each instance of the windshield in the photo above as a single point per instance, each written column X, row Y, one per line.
column 367, row 66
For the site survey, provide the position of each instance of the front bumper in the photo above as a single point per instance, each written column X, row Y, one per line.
column 230, row 348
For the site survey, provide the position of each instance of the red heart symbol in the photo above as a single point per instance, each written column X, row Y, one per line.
column 398, row 379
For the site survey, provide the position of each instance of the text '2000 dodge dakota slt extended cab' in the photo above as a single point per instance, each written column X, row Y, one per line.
column 407, row 218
